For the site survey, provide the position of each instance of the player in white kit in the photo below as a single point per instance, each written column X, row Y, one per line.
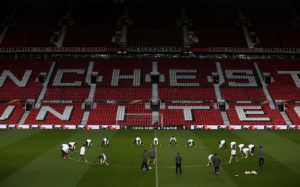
column 89, row 143
column 105, row 142
column 232, row 144
column 156, row 142
column 82, row 154
column 72, row 146
column 190, row 143
column 65, row 149
column 210, row 159
column 252, row 148
column 222, row 143
column 233, row 155
column 173, row 140
column 241, row 146
column 246, row 151
column 137, row 142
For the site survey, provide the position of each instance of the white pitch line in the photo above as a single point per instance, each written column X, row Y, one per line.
column 156, row 168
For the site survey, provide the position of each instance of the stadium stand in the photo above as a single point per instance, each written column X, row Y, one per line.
column 108, row 114
column 56, row 114
column 273, row 29
column 11, row 113
column 243, row 94
column 191, row 114
column 123, row 94
column 123, row 76
column 293, row 112
column 121, row 72
column 285, row 84
column 123, row 79
column 69, row 80
column 32, row 26
column 254, row 114
column 161, row 29
column 241, row 81
column 19, row 78
column 215, row 27
column 93, row 28
column 186, row 79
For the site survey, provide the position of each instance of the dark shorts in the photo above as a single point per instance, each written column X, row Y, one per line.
column 152, row 157
column 233, row 156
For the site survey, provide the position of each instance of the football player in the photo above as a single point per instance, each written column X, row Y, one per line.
column 102, row 159
column 65, row 149
column 173, row 140
column 137, row 142
column 221, row 143
column 89, row 143
column 105, row 142
column 82, row 153
column 190, row 143
column 72, row 146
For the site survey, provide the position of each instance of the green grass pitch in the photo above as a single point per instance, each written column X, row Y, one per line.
column 33, row 158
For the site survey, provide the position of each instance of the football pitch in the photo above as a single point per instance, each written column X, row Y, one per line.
column 33, row 158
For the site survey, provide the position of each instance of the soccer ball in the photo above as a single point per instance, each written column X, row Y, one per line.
column 253, row 173
column 247, row 172
column 150, row 167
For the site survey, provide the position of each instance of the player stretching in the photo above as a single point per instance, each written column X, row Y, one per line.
column 82, row 154
column 137, row 142
column 152, row 156
column 65, row 150
column 221, row 143
column 156, row 142
column 233, row 154
column 105, row 142
column 241, row 146
column 102, row 160
column 172, row 140
column 210, row 159
column 246, row 151
column 89, row 143
column 190, row 143
column 252, row 148
column 232, row 144
column 72, row 146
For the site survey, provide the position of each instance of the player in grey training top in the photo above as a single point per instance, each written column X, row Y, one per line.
column 144, row 160
column 260, row 153
column 152, row 156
